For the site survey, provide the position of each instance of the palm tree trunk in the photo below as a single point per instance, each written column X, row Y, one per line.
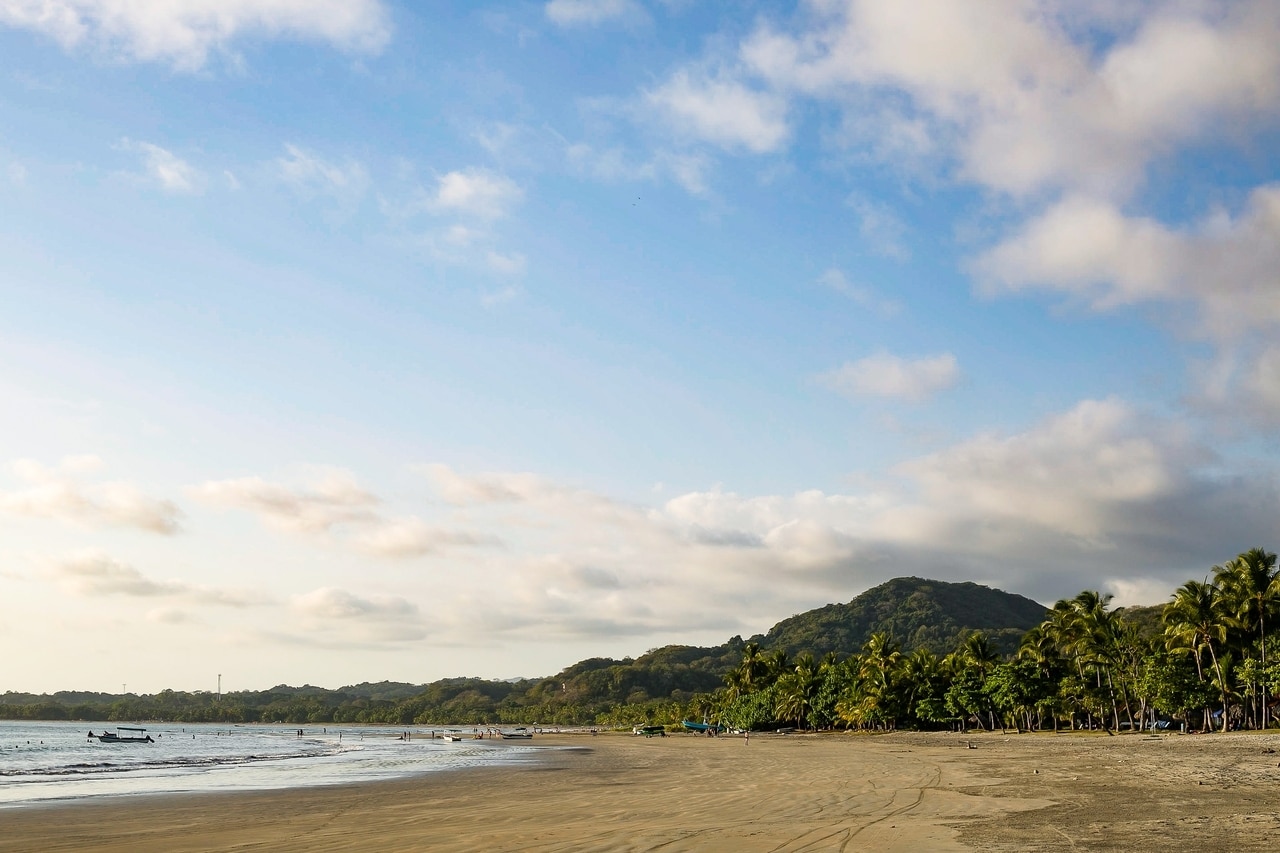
column 1115, row 709
column 1222, row 685
column 1262, row 633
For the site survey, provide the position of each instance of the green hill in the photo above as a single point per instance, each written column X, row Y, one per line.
column 1147, row 619
column 919, row 613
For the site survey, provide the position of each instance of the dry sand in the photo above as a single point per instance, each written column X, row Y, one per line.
column 918, row 792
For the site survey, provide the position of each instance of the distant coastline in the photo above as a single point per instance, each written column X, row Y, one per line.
column 972, row 657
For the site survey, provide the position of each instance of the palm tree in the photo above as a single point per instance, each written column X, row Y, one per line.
column 920, row 671
column 1251, row 585
column 1096, row 641
column 976, row 655
column 878, row 670
column 1039, row 647
column 776, row 664
column 1196, row 621
column 796, row 690
column 749, row 674
column 976, row 651
column 1060, row 629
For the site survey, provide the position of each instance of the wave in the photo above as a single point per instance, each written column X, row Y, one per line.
column 172, row 763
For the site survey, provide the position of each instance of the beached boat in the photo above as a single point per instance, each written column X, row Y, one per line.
column 700, row 727
column 135, row 735
column 519, row 734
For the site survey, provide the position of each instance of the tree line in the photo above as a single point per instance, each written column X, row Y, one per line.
column 1202, row 664
column 1084, row 666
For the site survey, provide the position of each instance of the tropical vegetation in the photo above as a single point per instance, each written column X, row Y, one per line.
column 1205, row 660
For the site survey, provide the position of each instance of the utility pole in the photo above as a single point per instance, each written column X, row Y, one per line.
column 219, row 685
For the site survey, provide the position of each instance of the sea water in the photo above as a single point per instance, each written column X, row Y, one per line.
column 50, row 761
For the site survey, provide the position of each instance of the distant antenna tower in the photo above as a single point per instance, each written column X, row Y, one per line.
column 219, row 685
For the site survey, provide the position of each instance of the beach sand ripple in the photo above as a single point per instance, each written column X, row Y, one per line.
column 779, row 793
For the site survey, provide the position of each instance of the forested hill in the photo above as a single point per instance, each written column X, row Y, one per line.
column 918, row 613
column 1147, row 620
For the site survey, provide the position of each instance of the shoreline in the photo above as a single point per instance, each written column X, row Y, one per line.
column 902, row 791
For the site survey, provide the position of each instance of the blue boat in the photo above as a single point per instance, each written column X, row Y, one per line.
column 700, row 727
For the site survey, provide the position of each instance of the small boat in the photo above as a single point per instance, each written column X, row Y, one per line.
column 452, row 738
column 135, row 735
column 650, row 731
column 519, row 734
column 700, row 727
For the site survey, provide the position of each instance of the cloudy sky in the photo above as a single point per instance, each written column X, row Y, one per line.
column 349, row 340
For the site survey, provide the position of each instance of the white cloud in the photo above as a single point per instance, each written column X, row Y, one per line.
column 1226, row 266
column 332, row 603
column 1100, row 492
column 168, row 616
column 93, row 574
column 183, row 34
column 722, row 110
column 1023, row 105
column 309, row 173
column 882, row 230
column 614, row 164
column 56, row 494
column 689, row 170
column 337, row 506
column 1241, row 385
column 413, row 537
column 572, row 13
column 836, row 280
column 484, row 488
column 501, row 296
column 506, row 264
column 885, row 375
column 462, row 236
column 1137, row 592
column 1070, row 473
column 474, row 192
column 607, row 164
column 165, row 169
column 1100, row 495
column 336, row 500
column 98, row 574
column 341, row 616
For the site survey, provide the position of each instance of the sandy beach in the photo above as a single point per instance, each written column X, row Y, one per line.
column 779, row 793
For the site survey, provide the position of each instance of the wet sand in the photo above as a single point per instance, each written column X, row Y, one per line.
column 779, row 793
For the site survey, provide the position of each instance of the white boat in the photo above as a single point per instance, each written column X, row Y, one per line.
column 134, row 735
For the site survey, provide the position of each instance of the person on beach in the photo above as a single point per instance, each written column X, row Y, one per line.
column 746, row 737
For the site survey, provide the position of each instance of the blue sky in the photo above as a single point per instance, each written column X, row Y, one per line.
column 347, row 340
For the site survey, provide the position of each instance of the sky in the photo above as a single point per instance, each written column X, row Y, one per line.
column 351, row 340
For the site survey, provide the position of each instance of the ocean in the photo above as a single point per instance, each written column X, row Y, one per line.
column 43, row 762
